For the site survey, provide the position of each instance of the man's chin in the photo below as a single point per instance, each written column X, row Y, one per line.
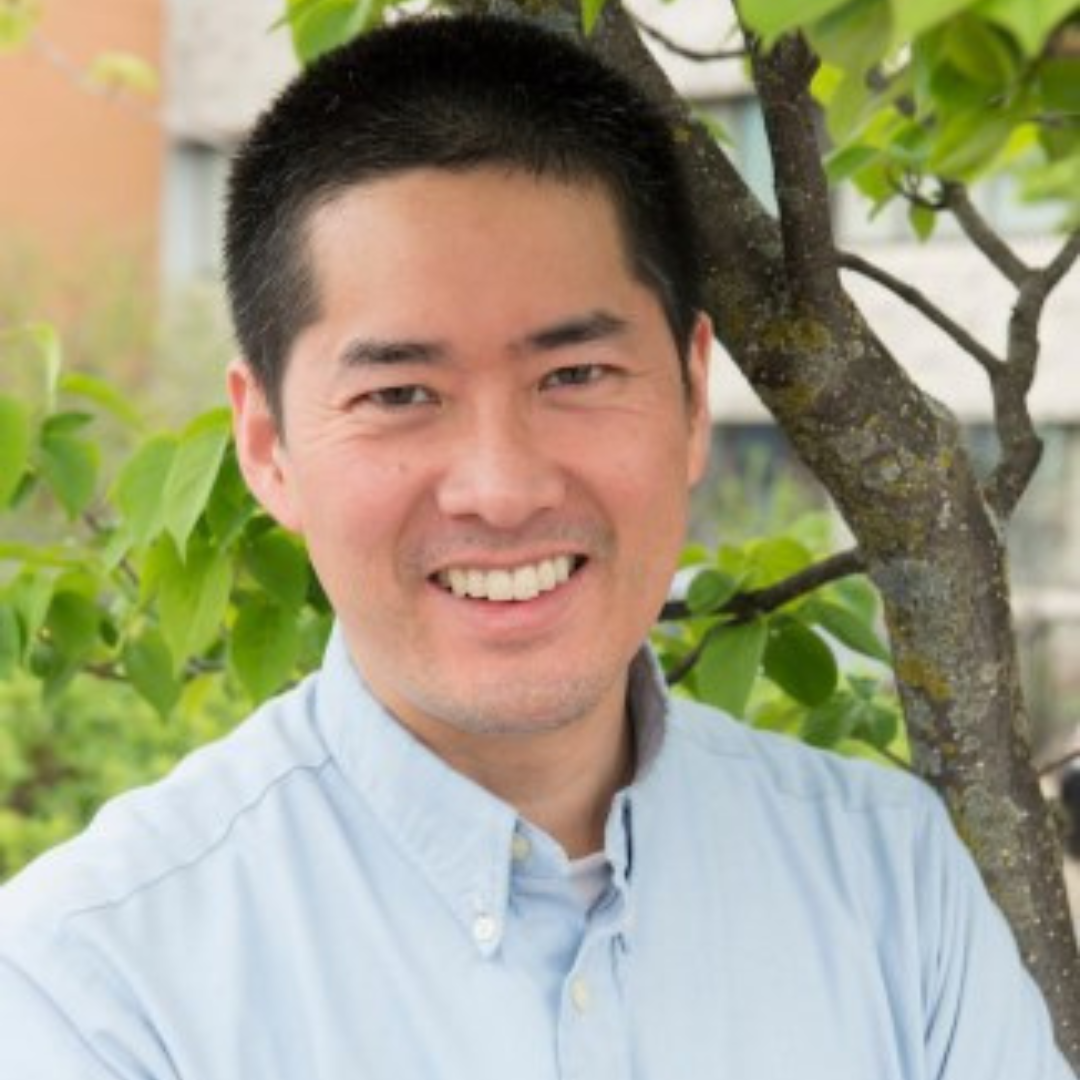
column 514, row 708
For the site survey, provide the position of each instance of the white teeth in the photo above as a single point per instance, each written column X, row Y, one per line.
column 525, row 583
column 500, row 585
column 545, row 576
column 521, row 583
column 477, row 584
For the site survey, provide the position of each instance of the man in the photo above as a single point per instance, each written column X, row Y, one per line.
column 482, row 842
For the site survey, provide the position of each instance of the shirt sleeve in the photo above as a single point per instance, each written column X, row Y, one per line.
column 37, row 1042
column 985, row 1016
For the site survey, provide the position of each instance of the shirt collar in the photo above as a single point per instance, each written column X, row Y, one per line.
column 454, row 831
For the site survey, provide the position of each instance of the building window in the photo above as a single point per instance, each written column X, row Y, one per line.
column 195, row 180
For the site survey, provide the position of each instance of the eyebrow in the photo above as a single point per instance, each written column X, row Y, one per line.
column 375, row 353
column 575, row 330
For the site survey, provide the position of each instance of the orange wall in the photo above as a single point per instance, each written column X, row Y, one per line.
column 80, row 172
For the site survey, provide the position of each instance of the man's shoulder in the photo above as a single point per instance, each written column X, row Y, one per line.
column 149, row 834
column 777, row 766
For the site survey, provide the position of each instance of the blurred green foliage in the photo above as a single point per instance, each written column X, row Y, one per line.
column 61, row 759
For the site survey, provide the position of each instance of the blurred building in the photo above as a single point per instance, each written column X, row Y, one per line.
column 82, row 171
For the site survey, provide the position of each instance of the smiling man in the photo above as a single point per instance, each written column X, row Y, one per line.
column 498, row 405
column 482, row 841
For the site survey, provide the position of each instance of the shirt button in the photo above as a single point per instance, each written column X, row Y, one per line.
column 484, row 928
column 520, row 848
column 579, row 994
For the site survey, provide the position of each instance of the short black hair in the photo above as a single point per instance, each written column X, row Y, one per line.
column 454, row 93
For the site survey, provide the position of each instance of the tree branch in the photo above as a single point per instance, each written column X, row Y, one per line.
column 978, row 230
column 783, row 76
column 1021, row 447
column 697, row 55
column 1058, row 763
column 910, row 295
column 748, row 605
column 1062, row 263
column 94, row 523
column 61, row 62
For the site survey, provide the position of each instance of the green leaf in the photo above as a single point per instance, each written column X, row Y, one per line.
column 775, row 559
column 123, row 71
column 591, row 10
column 912, row 17
column 853, row 37
column 849, row 160
column 857, row 593
column 800, row 663
column 771, row 18
column 279, row 564
column 923, row 220
column 729, row 665
column 264, row 646
column 826, row 725
column 847, row 100
column 1029, row 21
column 968, row 143
column 848, row 627
column 101, row 393
column 65, row 423
column 38, row 555
column 29, row 594
column 46, row 342
column 710, row 590
column 10, row 641
column 876, row 725
column 70, row 467
column 980, row 51
column 17, row 21
column 193, row 597
column 141, row 484
column 16, row 442
column 951, row 93
column 231, row 504
column 1059, row 85
column 317, row 26
column 73, row 624
column 149, row 666
column 192, row 473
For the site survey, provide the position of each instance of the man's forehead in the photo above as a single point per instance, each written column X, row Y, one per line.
column 338, row 221
column 328, row 207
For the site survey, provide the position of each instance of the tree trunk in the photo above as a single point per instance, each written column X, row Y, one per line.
column 894, row 461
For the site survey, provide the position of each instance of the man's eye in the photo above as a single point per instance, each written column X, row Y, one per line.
column 575, row 375
column 399, row 397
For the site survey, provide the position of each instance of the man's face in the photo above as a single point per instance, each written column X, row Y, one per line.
column 489, row 406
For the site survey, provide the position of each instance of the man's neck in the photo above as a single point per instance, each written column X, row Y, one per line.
column 561, row 781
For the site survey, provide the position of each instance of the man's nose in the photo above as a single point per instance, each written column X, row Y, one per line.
column 500, row 472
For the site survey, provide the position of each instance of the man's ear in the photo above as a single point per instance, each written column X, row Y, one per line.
column 697, row 374
column 260, row 449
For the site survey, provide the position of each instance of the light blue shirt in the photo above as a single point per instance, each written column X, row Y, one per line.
column 318, row 897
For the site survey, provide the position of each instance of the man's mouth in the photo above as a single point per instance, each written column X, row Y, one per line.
column 506, row 584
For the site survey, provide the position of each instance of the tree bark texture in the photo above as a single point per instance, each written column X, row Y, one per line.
column 895, row 463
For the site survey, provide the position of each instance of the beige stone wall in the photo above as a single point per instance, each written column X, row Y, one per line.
column 223, row 65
